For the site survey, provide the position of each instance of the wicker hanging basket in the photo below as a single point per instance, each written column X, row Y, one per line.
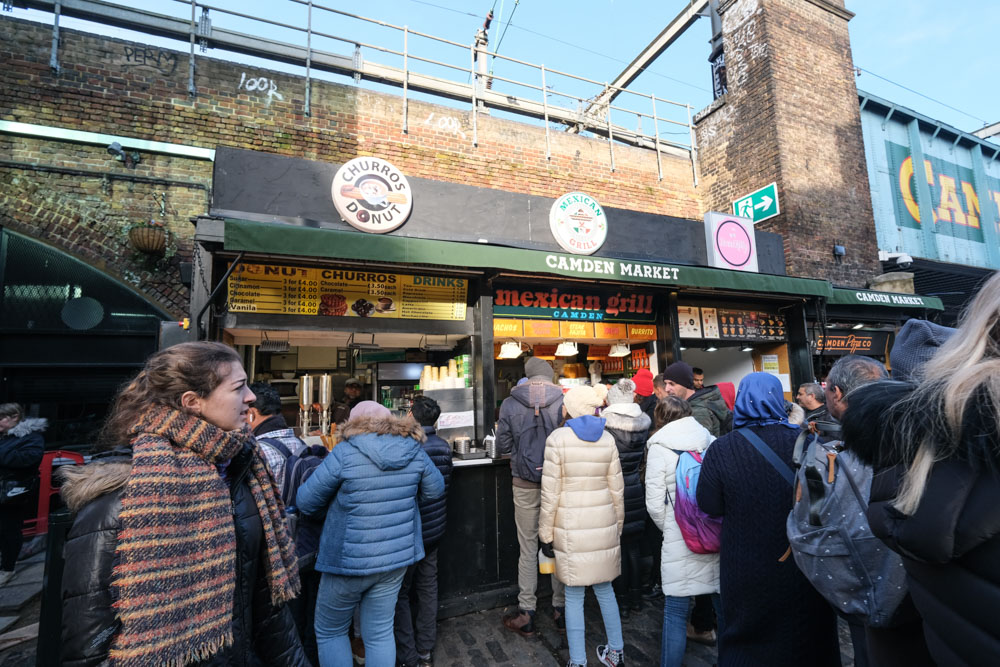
column 150, row 240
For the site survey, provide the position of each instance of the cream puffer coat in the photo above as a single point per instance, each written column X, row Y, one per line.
column 682, row 572
column 583, row 502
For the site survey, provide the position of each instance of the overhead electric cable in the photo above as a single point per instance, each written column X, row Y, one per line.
column 927, row 97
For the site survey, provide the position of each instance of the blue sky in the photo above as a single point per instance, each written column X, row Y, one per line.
column 937, row 49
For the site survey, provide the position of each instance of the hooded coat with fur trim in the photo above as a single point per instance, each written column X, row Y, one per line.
column 629, row 426
column 367, row 489
column 683, row 572
column 262, row 633
column 583, row 508
column 22, row 448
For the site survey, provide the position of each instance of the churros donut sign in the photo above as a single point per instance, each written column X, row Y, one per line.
column 370, row 194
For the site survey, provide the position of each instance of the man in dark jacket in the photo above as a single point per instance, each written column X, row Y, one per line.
column 707, row 405
column 416, row 614
column 21, row 451
column 527, row 417
column 812, row 399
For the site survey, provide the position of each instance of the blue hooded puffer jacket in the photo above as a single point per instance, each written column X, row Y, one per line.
column 367, row 489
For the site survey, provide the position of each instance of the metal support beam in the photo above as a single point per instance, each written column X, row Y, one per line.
column 54, row 56
column 674, row 29
column 987, row 212
column 925, row 203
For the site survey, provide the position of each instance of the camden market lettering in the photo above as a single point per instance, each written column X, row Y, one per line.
column 596, row 267
column 882, row 297
column 553, row 303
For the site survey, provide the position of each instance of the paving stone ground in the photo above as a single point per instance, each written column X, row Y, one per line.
column 481, row 639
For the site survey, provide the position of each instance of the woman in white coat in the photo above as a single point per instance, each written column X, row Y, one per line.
column 683, row 573
column 581, row 517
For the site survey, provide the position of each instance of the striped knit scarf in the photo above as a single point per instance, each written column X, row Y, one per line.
column 174, row 576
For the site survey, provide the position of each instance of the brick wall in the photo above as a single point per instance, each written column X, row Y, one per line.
column 131, row 90
column 791, row 116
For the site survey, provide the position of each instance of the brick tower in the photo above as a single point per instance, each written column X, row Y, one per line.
column 790, row 115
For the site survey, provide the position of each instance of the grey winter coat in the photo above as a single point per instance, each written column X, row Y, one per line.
column 527, row 417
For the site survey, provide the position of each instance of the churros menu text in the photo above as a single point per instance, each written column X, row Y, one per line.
column 291, row 290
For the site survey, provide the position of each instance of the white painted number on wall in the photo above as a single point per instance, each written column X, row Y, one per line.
column 446, row 123
column 260, row 84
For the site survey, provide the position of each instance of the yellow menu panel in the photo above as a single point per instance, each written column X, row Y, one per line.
column 576, row 329
column 508, row 328
column 289, row 290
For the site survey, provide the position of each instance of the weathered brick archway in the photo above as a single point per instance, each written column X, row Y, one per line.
column 92, row 233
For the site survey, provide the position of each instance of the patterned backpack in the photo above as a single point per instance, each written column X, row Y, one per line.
column 830, row 538
column 701, row 532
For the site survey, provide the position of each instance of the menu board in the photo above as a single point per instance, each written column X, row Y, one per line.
column 710, row 322
column 290, row 290
column 689, row 321
column 751, row 325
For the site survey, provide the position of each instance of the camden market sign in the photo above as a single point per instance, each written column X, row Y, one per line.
column 543, row 302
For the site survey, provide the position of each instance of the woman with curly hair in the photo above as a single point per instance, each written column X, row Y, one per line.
column 179, row 550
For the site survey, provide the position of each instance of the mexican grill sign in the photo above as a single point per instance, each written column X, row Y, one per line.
column 578, row 223
column 372, row 195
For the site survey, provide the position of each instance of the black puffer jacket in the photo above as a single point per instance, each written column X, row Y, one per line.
column 628, row 424
column 263, row 635
column 433, row 513
column 951, row 544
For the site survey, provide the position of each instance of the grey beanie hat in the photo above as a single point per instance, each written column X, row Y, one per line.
column 915, row 344
column 535, row 367
column 622, row 392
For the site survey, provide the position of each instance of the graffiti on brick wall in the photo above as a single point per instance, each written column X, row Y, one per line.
column 719, row 121
column 445, row 124
column 261, row 85
column 742, row 47
column 164, row 62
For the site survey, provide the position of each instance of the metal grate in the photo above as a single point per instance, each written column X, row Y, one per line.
column 45, row 290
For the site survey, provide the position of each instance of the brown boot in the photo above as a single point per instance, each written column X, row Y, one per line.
column 522, row 622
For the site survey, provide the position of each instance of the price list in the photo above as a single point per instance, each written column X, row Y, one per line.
column 262, row 288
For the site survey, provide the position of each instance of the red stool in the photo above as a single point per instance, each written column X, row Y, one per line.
column 40, row 524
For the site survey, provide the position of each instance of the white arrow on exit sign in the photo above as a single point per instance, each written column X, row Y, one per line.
column 759, row 205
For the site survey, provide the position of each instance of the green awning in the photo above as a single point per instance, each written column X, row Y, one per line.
column 862, row 297
column 282, row 239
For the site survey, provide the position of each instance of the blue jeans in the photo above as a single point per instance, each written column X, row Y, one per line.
column 574, row 620
column 338, row 596
column 675, row 619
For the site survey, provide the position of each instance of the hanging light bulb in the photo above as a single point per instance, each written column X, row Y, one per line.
column 510, row 350
column 567, row 348
column 619, row 350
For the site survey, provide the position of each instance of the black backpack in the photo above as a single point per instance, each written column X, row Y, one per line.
column 304, row 530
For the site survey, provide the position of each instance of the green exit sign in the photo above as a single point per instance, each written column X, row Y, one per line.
column 759, row 205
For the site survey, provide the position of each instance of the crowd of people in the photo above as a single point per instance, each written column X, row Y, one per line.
column 199, row 540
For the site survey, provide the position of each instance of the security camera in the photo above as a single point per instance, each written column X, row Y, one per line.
column 116, row 149
column 904, row 261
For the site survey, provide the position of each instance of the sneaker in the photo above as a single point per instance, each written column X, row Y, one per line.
column 610, row 657
column 575, row 664
column 559, row 616
column 707, row 637
column 425, row 661
column 5, row 576
column 522, row 622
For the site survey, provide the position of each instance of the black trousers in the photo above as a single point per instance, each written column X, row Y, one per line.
column 303, row 610
column 416, row 610
column 11, row 539
column 629, row 585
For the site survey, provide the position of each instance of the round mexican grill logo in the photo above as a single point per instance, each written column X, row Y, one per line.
column 372, row 195
column 733, row 243
column 578, row 223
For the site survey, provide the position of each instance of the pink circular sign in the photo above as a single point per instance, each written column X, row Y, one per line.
column 733, row 243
